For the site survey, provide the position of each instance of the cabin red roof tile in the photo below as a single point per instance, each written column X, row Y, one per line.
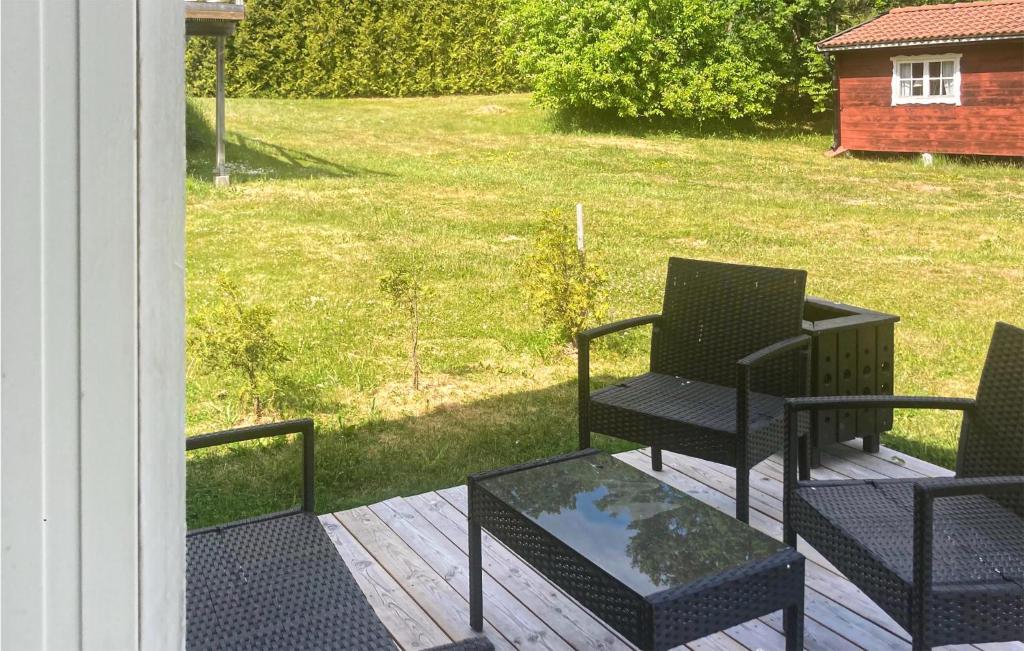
column 958, row 21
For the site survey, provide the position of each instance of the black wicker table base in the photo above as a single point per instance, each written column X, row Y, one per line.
column 660, row 567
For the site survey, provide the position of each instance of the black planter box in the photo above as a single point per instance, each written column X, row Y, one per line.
column 851, row 354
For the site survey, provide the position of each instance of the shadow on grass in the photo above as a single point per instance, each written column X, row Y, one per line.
column 609, row 123
column 249, row 158
column 382, row 458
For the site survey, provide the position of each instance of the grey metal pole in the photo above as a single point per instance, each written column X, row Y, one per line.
column 221, row 170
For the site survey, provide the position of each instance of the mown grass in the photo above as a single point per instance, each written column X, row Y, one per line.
column 329, row 195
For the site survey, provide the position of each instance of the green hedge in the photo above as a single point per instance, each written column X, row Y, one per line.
column 344, row 48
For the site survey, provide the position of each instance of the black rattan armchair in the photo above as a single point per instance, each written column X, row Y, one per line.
column 276, row 581
column 943, row 556
column 726, row 350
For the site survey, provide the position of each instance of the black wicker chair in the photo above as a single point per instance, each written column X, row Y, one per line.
column 943, row 556
column 277, row 581
column 726, row 350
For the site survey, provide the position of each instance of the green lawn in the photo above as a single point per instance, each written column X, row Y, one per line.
column 328, row 195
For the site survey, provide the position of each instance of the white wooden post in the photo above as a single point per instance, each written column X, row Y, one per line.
column 221, row 177
column 91, row 336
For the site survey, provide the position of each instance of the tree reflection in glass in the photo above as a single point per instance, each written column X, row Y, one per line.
column 645, row 533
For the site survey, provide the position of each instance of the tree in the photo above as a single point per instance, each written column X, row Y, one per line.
column 403, row 288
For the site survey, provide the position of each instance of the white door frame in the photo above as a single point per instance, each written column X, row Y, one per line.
column 92, row 324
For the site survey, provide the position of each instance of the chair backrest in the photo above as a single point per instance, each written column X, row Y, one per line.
column 992, row 441
column 716, row 313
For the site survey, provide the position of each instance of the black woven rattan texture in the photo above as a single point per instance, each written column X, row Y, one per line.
column 275, row 584
column 713, row 315
column 663, row 620
column 728, row 599
column 280, row 584
column 607, row 598
column 866, row 528
column 992, row 443
column 691, row 417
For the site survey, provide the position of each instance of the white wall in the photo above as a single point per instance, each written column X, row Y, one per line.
column 91, row 324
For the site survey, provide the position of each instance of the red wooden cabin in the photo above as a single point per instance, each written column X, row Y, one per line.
column 943, row 78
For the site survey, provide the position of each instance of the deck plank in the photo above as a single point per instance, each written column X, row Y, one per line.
column 913, row 463
column 571, row 621
column 434, row 595
column 409, row 625
column 501, row 608
column 872, row 462
column 409, row 556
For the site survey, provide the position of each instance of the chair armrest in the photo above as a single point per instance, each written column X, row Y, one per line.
column 881, row 402
column 303, row 426
column 795, row 405
column 933, row 488
column 775, row 350
column 617, row 326
column 745, row 365
column 583, row 340
column 926, row 491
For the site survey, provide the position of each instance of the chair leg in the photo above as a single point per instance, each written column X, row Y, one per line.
column 655, row 458
column 872, row 443
column 584, row 423
column 743, row 495
column 793, row 625
column 814, row 456
column 789, row 535
column 804, row 461
column 476, row 599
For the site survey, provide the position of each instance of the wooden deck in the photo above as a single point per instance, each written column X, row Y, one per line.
column 409, row 556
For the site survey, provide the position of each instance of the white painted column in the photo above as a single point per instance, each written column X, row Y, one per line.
column 221, row 177
column 91, row 324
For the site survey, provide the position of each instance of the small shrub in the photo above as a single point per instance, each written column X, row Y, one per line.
column 238, row 337
column 403, row 289
column 568, row 291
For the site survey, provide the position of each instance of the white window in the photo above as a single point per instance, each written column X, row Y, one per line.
column 926, row 79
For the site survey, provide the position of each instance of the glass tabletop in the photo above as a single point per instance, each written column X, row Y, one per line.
column 646, row 534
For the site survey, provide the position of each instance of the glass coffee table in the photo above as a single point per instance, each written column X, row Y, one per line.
column 660, row 567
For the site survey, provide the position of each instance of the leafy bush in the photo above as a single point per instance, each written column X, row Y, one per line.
column 651, row 58
column 311, row 48
column 567, row 290
column 689, row 59
column 238, row 337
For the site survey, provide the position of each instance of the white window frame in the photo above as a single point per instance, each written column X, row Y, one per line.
column 954, row 98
